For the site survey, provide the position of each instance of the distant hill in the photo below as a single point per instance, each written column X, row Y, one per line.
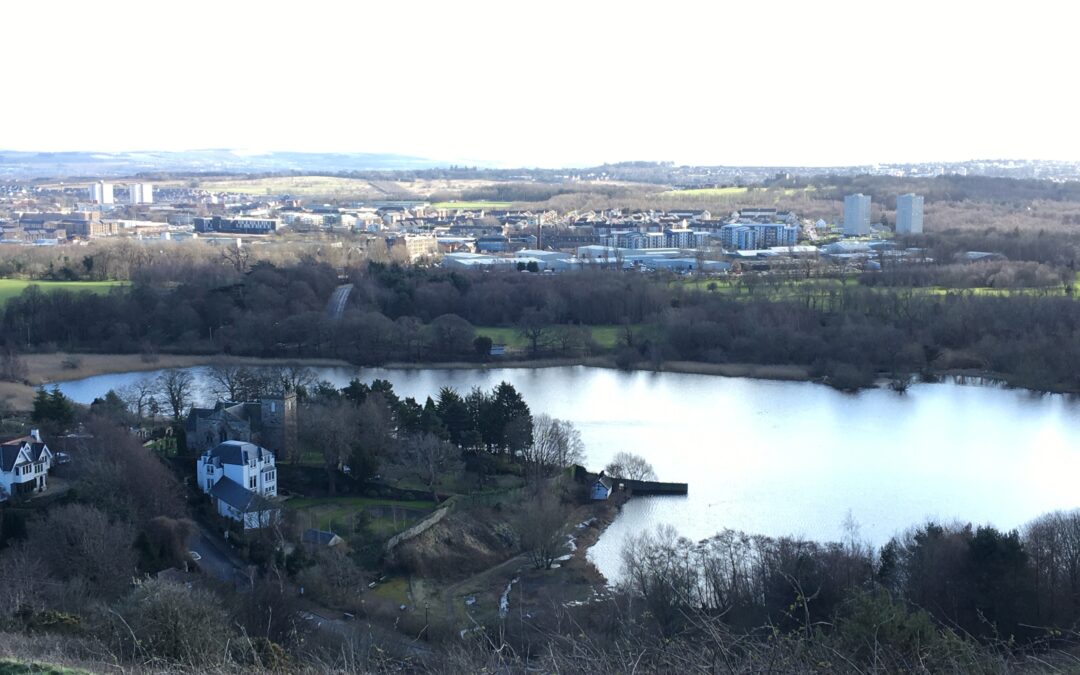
column 18, row 164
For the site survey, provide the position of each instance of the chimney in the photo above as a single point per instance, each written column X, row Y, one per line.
column 36, row 434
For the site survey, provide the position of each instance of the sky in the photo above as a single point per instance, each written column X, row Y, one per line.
column 552, row 83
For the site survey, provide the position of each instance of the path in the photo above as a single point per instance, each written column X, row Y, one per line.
column 336, row 307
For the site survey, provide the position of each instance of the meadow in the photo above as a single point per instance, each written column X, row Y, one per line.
column 10, row 288
column 471, row 206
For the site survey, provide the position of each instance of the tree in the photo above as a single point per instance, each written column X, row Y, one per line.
column 451, row 335
column 53, row 410
column 229, row 382
column 164, row 620
column 12, row 365
column 176, row 387
column 555, row 444
column 535, row 328
column 138, row 395
column 79, row 541
column 329, row 428
column 539, row 526
column 482, row 345
column 629, row 466
column 431, row 457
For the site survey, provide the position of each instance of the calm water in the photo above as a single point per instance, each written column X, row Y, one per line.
column 788, row 458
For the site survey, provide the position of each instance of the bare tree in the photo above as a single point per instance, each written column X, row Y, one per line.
column 293, row 378
column 237, row 256
column 138, row 395
column 176, row 387
column 539, row 526
column 629, row 466
column 12, row 365
column 228, row 381
column 431, row 458
column 555, row 444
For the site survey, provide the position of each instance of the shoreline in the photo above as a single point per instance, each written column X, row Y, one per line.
column 47, row 369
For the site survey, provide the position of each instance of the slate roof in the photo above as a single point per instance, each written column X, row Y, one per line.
column 239, row 497
column 320, row 537
column 9, row 451
column 238, row 452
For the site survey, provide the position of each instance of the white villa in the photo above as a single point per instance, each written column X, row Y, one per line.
column 24, row 465
column 241, row 479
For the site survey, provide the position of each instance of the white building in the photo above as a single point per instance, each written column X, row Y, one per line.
column 909, row 214
column 101, row 192
column 241, row 479
column 24, row 465
column 856, row 215
column 141, row 193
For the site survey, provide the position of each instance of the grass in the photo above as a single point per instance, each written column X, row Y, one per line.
column 395, row 590
column 705, row 192
column 10, row 288
column 295, row 185
column 12, row 667
column 606, row 336
column 340, row 514
column 471, row 206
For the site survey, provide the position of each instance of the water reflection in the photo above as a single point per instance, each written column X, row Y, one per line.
column 783, row 458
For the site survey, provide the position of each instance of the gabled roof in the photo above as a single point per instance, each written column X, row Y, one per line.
column 11, row 450
column 320, row 537
column 604, row 480
column 238, row 452
column 239, row 497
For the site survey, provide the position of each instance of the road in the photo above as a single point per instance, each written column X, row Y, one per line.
column 215, row 560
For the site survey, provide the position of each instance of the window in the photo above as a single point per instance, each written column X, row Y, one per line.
column 270, row 475
column 251, row 482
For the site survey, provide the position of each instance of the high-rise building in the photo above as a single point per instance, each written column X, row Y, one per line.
column 101, row 192
column 856, row 215
column 141, row 193
column 909, row 214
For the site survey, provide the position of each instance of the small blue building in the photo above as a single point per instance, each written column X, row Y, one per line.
column 601, row 488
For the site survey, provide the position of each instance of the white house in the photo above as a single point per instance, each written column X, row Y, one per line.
column 24, row 465
column 241, row 479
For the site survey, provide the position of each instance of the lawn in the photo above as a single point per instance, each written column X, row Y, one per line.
column 9, row 288
column 341, row 514
column 606, row 336
column 471, row 206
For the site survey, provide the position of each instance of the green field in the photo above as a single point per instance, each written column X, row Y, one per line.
column 605, row 336
column 341, row 513
column 9, row 288
column 471, row 206
column 705, row 192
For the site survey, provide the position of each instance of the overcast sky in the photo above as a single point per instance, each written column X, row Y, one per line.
column 522, row 82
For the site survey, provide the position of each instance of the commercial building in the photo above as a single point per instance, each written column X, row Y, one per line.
column 236, row 225
column 909, row 214
column 856, row 215
column 101, row 192
column 740, row 236
column 141, row 193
